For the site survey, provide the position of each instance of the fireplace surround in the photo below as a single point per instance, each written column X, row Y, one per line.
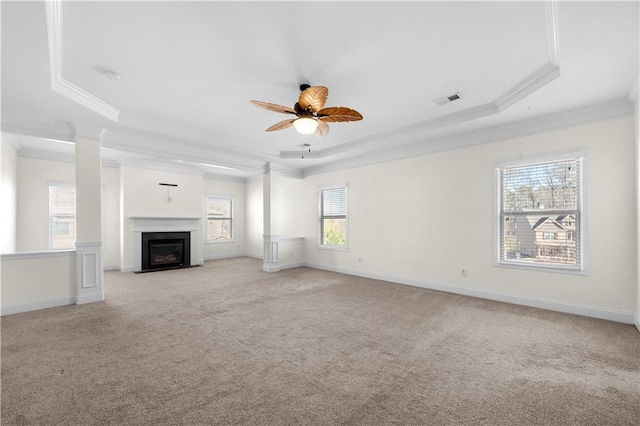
column 169, row 234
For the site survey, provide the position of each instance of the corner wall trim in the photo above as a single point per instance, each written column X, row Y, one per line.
column 34, row 305
column 637, row 322
column 534, row 302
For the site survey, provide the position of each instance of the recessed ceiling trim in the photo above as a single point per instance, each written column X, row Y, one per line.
column 434, row 123
column 58, row 83
column 553, row 34
column 558, row 121
column 536, row 81
column 158, row 127
column 532, row 83
column 301, row 154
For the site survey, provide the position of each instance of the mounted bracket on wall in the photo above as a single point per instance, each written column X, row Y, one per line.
column 168, row 185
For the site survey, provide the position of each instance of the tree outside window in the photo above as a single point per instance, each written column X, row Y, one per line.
column 540, row 214
column 333, row 217
column 219, row 219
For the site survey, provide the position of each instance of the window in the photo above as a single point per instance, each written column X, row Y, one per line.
column 332, row 205
column 219, row 219
column 62, row 216
column 540, row 213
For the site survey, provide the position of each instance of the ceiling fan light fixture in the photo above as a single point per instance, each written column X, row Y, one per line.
column 305, row 125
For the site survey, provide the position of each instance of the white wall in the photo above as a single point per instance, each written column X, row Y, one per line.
column 111, row 217
column 637, row 157
column 253, row 215
column 291, row 215
column 8, row 197
column 34, row 177
column 421, row 220
column 292, row 245
column 236, row 190
column 142, row 196
column 289, row 222
column 37, row 280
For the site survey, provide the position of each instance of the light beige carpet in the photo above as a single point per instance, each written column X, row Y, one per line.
column 229, row 344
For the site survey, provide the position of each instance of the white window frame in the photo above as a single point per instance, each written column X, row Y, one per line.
column 321, row 189
column 49, row 215
column 581, row 220
column 232, row 219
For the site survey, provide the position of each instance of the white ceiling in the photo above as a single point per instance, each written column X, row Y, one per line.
column 189, row 69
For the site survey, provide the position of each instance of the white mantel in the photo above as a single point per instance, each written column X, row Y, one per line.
column 165, row 224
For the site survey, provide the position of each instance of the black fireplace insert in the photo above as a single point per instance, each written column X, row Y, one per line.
column 165, row 250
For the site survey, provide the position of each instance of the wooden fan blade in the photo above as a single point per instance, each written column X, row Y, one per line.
column 313, row 97
column 337, row 114
column 322, row 130
column 274, row 107
column 284, row 124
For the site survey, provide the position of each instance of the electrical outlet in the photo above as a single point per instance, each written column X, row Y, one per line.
column 463, row 272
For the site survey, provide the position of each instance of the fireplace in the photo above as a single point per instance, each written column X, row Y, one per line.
column 165, row 250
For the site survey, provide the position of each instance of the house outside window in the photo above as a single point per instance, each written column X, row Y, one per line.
column 219, row 219
column 540, row 212
column 332, row 214
column 62, row 216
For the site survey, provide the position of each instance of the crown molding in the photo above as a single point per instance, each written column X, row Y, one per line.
column 566, row 119
column 58, row 83
column 23, row 125
column 287, row 171
column 12, row 140
column 224, row 178
column 62, row 157
column 39, row 154
column 159, row 127
column 142, row 163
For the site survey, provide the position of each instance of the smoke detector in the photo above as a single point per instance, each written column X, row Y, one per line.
column 447, row 99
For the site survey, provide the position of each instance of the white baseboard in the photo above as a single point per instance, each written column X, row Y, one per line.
column 637, row 322
column 34, row 305
column 90, row 298
column 127, row 269
column 110, row 268
column 291, row 265
column 223, row 256
column 535, row 302
column 254, row 255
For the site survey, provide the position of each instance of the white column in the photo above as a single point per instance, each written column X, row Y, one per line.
column 89, row 273
column 271, row 218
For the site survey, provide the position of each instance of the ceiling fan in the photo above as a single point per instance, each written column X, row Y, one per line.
column 311, row 115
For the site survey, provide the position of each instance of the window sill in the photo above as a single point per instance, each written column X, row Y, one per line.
column 220, row 241
column 334, row 248
column 541, row 268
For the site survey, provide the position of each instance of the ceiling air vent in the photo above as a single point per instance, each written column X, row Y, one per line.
column 447, row 99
